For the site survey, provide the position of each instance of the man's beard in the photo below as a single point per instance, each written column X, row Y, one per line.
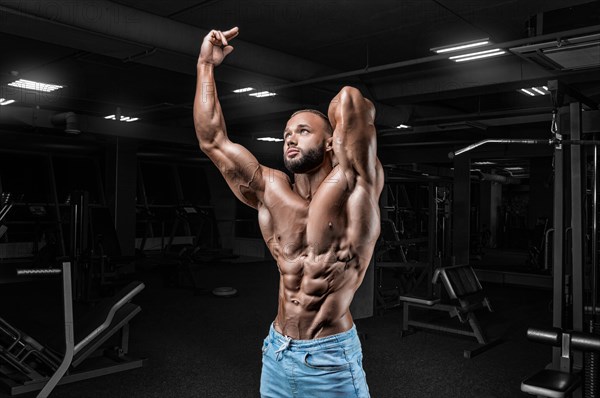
column 305, row 163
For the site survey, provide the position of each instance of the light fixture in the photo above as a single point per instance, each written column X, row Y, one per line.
column 537, row 90
column 484, row 163
column 461, row 46
column 403, row 126
column 534, row 91
column 473, row 54
column 478, row 55
column 270, row 139
column 123, row 118
column 524, row 90
column 6, row 102
column 243, row 90
column 37, row 86
column 262, row 94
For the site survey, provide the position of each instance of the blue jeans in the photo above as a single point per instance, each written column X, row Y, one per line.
column 321, row 368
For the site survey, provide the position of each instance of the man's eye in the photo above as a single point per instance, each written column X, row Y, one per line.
column 304, row 131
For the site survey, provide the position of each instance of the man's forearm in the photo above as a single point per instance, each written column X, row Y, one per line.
column 349, row 104
column 208, row 117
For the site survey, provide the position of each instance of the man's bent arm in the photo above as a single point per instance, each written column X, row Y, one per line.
column 240, row 168
column 354, row 137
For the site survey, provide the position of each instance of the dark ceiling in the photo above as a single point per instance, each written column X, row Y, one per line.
column 139, row 56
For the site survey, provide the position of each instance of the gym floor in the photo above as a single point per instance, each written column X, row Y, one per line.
column 200, row 345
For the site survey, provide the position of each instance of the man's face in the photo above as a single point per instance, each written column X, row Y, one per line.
column 305, row 139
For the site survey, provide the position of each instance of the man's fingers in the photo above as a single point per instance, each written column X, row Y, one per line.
column 219, row 38
column 222, row 38
column 227, row 50
column 231, row 33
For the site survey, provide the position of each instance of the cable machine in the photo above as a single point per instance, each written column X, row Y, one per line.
column 576, row 317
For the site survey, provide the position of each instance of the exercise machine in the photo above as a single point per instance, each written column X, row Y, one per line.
column 28, row 365
column 464, row 296
column 414, row 234
column 390, row 257
column 562, row 382
column 574, row 243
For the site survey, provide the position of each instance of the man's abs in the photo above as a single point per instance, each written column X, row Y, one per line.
column 315, row 296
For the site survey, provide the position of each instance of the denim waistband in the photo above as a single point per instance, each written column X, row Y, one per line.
column 349, row 336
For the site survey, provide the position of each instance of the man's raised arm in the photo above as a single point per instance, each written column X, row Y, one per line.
column 240, row 168
column 354, row 137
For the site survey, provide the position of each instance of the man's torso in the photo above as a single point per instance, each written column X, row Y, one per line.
column 322, row 246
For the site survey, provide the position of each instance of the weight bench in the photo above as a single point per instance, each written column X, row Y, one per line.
column 34, row 366
column 559, row 383
column 465, row 295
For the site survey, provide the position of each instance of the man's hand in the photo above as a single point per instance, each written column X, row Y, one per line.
column 215, row 46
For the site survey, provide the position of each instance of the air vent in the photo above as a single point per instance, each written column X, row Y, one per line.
column 565, row 54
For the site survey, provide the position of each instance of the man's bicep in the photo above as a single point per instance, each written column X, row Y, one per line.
column 241, row 170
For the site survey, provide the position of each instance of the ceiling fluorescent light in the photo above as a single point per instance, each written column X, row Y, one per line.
column 480, row 56
column 37, row 86
column 127, row 119
column 243, row 90
column 403, row 126
column 537, row 90
column 270, row 139
column 261, row 94
column 534, row 91
column 527, row 92
column 6, row 102
column 473, row 54
column 461, row 46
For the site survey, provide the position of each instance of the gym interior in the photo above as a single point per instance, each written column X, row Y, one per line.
column 129, row 269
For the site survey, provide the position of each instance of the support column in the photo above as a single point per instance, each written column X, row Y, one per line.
column 578, row 182
column 461, row 209
column 490, row 201
column 558, row 269
column 121, row 177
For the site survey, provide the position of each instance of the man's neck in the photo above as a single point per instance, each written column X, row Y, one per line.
column 306, row 185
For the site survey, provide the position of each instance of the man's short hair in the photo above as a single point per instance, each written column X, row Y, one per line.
column 328, row 127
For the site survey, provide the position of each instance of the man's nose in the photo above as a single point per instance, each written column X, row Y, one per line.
column 291, row 140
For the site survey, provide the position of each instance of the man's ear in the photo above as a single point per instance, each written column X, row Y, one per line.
column 329, row 144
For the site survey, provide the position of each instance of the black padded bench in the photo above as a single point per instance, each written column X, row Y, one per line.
column 560, row 383
column 465, row 295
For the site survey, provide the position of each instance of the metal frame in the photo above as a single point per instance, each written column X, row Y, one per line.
column 117, row 319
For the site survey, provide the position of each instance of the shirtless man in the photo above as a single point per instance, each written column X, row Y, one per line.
column 321, row 229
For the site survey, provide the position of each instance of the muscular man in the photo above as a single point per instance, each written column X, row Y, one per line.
column 321, row 229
